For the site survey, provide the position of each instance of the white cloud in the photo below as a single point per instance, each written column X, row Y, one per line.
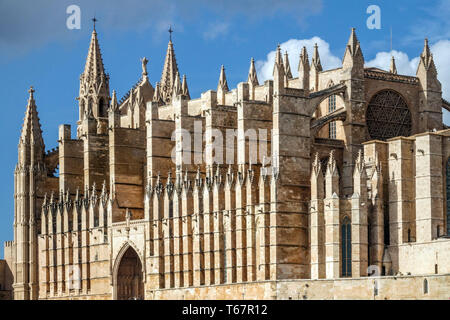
column 216, row 30
column 382, row 60
column 441, row 55
column 404, row 65
column 293, row 48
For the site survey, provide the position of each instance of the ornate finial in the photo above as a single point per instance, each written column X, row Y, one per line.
column 169, row 177
column 198, row 178
column 104, row 188
column 316, row 164
column 45, row 200
column 67, row 196
column 170, row 33
column 94, row 20
column 331, row 166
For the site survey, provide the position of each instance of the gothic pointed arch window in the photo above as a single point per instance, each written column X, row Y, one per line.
column 448, row 195
column 346, row 247
column 388, row 116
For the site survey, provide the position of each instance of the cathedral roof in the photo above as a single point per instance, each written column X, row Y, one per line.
column 379, row 74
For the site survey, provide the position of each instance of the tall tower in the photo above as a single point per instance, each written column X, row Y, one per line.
column 353, row 77
column 430, row 96
column 28, row 178
column 94, row 85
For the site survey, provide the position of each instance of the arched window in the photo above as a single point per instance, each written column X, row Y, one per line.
column 346, row 236
column 448, row 195
column 331, row 103
column 388, row 116
column 332, row 124
column 425, row 286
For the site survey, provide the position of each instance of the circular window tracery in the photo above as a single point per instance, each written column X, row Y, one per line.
column 388, row 116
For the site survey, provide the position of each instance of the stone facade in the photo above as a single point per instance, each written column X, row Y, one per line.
column 338, row 205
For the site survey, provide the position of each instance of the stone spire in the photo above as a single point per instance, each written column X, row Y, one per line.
column 31, row 130
column 94, row 83
column 184, row 88
column 426, row 59
column 287, row 66
column 223, row 84
column 94, row 67
column 303, row 69
column 393, row 68
column 28, row 186
column 222, row 87
column 353, row 55
column 169, row 73
column 278, row 73
column 252, row 76
column 316, row 68
column 315, row 62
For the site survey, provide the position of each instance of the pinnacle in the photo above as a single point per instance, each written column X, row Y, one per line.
column 304, row 61
column 393, row 67
column 287, row 67
column 426, row 49
column 252, row 76
column 31, row 129
column 316, row 58
column 223, row 84
column 426, row 57
column 353, row 41
column 278, row 58
column 331, row 166
column 184, row 88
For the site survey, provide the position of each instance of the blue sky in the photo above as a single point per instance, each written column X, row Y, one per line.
column 37, row 49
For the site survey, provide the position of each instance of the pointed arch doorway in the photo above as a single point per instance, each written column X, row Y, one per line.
column 129, row 280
